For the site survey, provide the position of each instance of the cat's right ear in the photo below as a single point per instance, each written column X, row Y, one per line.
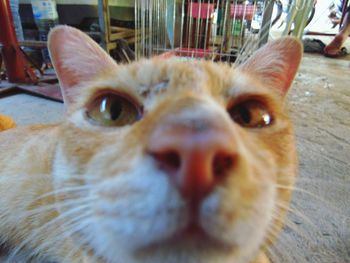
column 276, row 63
column 76, row 58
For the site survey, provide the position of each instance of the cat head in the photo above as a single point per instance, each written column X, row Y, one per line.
column 174, row 161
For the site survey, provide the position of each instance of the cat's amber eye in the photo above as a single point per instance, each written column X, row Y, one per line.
column 251, row 114
column 113, row 109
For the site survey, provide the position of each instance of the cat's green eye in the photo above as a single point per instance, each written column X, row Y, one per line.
column 251, row 114
column 113, row 109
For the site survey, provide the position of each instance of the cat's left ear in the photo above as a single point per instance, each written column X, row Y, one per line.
column 276, row 63
column 76, row 58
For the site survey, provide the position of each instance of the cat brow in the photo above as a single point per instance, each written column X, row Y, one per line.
column 235, row 92
column 159, row 87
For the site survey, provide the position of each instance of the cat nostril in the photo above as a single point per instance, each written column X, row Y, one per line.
column 169, row 161
column 222, row 164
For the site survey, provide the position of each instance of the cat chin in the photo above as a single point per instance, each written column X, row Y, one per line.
column 187, row 250
column 178, row 249
column 183, row 246
column 239, row 244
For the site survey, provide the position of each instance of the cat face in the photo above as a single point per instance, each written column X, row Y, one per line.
column 177, row 161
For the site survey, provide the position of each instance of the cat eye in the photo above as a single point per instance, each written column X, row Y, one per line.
column 113, row 109
column 251, row 114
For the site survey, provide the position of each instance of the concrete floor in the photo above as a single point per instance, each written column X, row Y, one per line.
column 320, row 105
column 320, row 108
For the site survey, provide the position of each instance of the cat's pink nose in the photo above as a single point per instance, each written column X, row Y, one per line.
column 195, row 156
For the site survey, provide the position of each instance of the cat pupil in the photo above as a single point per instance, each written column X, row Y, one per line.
column 116, row 110
column 245, row 114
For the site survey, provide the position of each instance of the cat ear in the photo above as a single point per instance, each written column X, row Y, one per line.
column 77, row 59
column 276, row 63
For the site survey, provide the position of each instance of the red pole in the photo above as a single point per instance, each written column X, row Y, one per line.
column 17, row 67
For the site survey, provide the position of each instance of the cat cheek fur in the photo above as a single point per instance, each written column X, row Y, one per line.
column 132, row 200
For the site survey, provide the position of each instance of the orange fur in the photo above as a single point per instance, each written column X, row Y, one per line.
column 109, row 161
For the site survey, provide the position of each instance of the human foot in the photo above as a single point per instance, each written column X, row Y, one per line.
column 334, row 48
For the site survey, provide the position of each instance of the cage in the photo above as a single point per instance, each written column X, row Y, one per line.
column 219, row 30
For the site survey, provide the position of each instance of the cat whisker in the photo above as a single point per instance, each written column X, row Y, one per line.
column 276, row 250
column 287, row 223
column 68, row 229
column 60, row 219
column 275, row 247
column 287, row 206
column 327, row 203
column 251, row 45
column 333, row 182
column 315, row 196
column 283, row 241
column 55, row 206
column 294, row 188
column 301, row 182
column 66, row 190
column 83, row 240
column 272, row 254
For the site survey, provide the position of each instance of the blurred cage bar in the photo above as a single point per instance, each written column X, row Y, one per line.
column 212, row 29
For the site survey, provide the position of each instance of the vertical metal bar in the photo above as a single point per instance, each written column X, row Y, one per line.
column 143, row 27
column 301, row 18
column 174, row 22
column 136, row 28
column 228, row 21
column 217, row 30
column 161, row 23
column 149, row 19
column 233, row 24
column 182, row 22
column 158, row 36
column 223, row 24
column 139, row 30
column 150, row 27
column 104, row 21
column 147, row 12
column 243, row 19
column 266, row 23
column 190, row 25
column 198, row 24
column 290, row 17
column 248, row 47
column 206, row 25
column 165, row 16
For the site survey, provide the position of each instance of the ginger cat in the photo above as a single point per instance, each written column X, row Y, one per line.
column 158, row 161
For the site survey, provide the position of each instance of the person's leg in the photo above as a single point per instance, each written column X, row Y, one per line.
column 335, row 46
